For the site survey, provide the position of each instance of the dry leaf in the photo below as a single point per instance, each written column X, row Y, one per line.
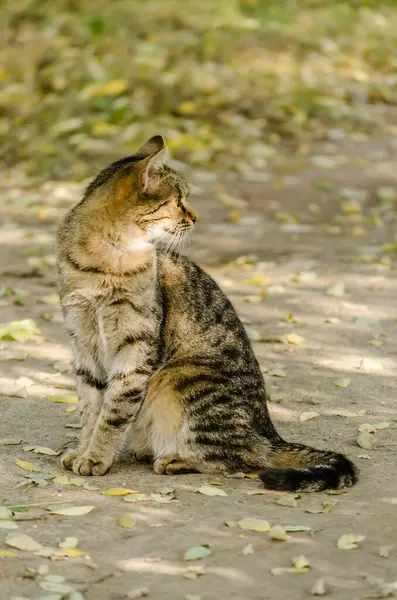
column 349, row 541
column 163, row 499
column 40, row 450
column 209, row 490
column 256, row 492
column 318, row 589
column 62, row 399
column 278, row 373
column 8, row 554
column 294, row 338
column 301, row 562
column 197, row 553
column 27, row 466
column 289, row 500
column 135, row 498
column 127, row 521
column 337, row 290
column 277, row 532
column 308, row 415
column 254, row 525
column 19, row 331
column 118, row 492
column 343, row 382
column 248, row 549
column 69, row 542
column 297, row 528
column 22, row 542
column 369, row 364
column 10, row 441
column 260, row 280
column 366, row 440
column 61, row 480
column 72, row 511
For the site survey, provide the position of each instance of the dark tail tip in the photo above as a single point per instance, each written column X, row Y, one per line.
column 342, row 473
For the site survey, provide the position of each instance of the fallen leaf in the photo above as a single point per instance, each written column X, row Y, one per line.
column 349, row 541
column 73, row 552
column 61, row 399
column 10, row 441
column 126, row 521
column 165, row 491
column 364, row 455
column 27, row 466
column 118, row 492
column 277, row 532
column 69, row 542
column 254, row 525
column 248, row 549
column 54, row 586
column 278, row 373
column 256, row 492
column 337, row 290
column 163, row 498
column 22, row 542
column 294, row 338
column 366, row 440
column 72, row 511
column 208, row 490
column 386, row 193
column 259, row 280
column 343, row 382
column 135, row 498
column 61, row 480
column 289, row 500
column 197, row 553
column 8, row 554
column 253, row 334
column 19, row 331
column 307, row 416
column 296, row 528
column 318, row 589
column 305, row 277
column 369, row 364
column 301, row 562
column 40, row 450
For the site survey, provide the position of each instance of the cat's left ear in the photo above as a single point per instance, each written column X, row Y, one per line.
column 149, row 168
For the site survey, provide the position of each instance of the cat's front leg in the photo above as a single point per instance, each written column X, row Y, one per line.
column 124, row 395
column 90, row 386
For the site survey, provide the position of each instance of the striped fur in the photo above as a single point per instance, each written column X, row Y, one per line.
column 158, row 348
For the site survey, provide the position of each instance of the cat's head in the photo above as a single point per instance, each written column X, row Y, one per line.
column 141, row 191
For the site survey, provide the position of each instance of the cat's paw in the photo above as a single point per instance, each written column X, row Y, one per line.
column 90, row 464
column 68, row 458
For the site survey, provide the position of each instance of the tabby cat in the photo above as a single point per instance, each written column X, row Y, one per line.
column 158, row 348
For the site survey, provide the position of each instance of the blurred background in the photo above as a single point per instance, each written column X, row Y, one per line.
column 229, row 83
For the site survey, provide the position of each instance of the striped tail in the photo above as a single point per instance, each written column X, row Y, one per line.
column 299, row 468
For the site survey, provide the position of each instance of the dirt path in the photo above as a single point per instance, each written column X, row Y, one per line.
column 282, row 292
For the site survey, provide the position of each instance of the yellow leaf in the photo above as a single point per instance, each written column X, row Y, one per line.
column 307, row 416
column 27, row 466
column 277, row 532
column 289, row 500
column 126, row 521
column 111, row 88
column 19, row 331
column 257, row 280
column 62, row 399
column 72, row 511
column 294, row 338
column 118, row 492
column 349, row 541
column 8, row 554
column 22, row 542
column 75, row 552
column 208, row 490
column 254, row 524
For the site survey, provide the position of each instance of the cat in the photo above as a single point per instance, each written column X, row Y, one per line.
column 158, row 347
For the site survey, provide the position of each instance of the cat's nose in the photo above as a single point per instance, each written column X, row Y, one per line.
column 193, row 217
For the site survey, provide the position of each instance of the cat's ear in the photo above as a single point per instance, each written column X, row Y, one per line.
column 152, row 146
column 149, row 168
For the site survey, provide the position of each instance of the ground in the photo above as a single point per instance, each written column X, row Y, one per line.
column 306, row 256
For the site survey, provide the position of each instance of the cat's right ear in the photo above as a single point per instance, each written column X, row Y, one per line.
column 155, row 144
column 149, row 168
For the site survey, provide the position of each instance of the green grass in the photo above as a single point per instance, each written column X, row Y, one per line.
column 84, row 82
